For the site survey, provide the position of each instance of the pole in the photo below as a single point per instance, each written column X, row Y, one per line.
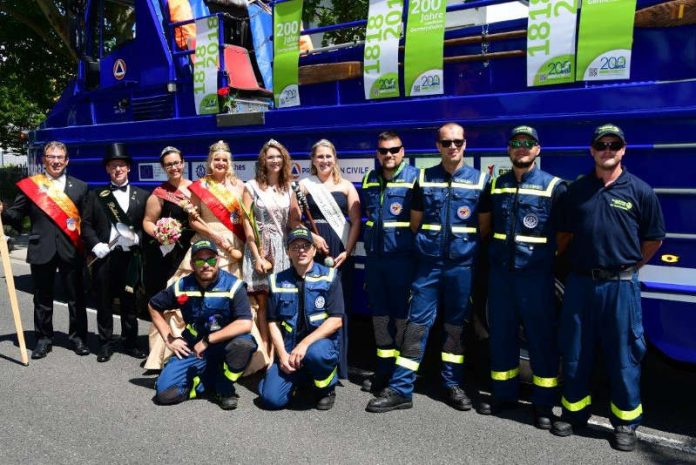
column 12, row 291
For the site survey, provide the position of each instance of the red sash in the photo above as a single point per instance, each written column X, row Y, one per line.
column 222, row 203
column 169, row 193
column 54, row 203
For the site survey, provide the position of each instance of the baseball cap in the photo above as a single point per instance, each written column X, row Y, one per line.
column 299, row 234
column 203, row 245
column 608, row 130
column 524, row 130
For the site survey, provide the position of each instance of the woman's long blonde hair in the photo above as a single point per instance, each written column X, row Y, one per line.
column 261, row 171
column 336, row 172
column 220, row 146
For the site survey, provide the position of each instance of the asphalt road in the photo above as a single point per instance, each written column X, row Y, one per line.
column 67, row 409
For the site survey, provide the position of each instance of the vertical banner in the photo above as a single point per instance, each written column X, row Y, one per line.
column 605, row 40
column 286, row 52
column 205, row 66
column 551, row 42
column 425, row 33
column 381, row 56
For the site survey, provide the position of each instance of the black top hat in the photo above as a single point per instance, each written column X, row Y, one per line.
column 116, row 151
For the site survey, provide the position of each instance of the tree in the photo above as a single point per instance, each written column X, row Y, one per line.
column 36, row 63
column 324, row 13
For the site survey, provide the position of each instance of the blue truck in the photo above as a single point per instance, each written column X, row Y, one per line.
column 134, row 85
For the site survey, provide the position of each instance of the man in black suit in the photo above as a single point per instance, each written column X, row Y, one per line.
column 54, row 203
column 113, row 231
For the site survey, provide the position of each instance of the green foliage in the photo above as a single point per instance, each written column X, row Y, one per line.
column 324, row 13
column 35, row 67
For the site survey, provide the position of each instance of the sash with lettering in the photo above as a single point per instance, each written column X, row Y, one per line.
column 222, row 203
column 328, row 207
column 169, row 193
column 56, row 204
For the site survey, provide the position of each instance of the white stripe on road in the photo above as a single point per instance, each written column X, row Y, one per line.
column 669, row 443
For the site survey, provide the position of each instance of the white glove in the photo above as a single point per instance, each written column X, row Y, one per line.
column 125, row 243
column 101, row 250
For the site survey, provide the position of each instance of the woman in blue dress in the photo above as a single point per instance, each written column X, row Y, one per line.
column 334, row 205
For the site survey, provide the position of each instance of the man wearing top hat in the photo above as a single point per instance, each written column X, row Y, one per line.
column 112, row 232
column 54, row 202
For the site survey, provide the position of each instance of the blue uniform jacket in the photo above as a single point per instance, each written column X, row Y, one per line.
column 388, row 210
column 449, row 229
column 322, row 298
column 522, row 220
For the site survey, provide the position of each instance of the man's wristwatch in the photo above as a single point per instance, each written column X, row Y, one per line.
column 206, row 339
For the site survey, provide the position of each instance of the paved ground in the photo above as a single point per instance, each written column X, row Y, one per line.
column 67, row 409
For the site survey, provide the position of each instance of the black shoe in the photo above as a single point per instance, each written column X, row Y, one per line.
column 494, row 406
column 624, row 438
column 543, row 416
column 105, row 353
column 80, row 348
column 326, row 400
column 564, row 428
column 458, row 399
column 387, row 401
column 42, row 349
column 373, row 384
column 135, row 352
column 228, row 402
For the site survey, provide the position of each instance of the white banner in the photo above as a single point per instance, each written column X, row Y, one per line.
column 381, row 56
column 155, row 172
column 551, row 33
column 205, row 66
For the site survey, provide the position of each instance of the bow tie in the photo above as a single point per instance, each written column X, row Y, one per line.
column 113, row 187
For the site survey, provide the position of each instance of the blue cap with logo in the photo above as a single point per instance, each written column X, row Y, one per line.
column 299, row 234
column 608, row 130
column 203, row 245
column 524, row 131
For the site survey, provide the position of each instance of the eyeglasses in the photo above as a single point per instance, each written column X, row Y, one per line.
column 302, row 246
column 392, row 150
column 199, row 262
column 528, row 144
column 55, row 157
column 174, row 164
column 457, row 142
column 613, row 146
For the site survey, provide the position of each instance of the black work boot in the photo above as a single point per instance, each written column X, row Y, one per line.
column 387, row 401
column 495, row 406
column 543, row 416
column 374, row 384
column 565, row 428
column 228, row 402
column 458, row 399
column 624, row 438
column 326, row 400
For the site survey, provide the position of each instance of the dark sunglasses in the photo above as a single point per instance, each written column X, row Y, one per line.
column 459, row 143
column 528, row 144
column 613, row 146
column 199, row 262
column 392, row 150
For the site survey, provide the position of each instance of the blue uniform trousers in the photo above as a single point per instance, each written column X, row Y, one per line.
column 320, row 364
column 445, row 284
column 388, row 283
column 522, row 297
column 219, row 367
column 606, row 315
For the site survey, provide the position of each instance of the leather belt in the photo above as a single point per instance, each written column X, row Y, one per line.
column 605, row 274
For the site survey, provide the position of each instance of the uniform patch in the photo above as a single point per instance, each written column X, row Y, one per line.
column 104, row 193
column 530, row 221
column 463, row 212
column 319, row 302
column 71, row 224
column 395, row 208
column 621, row 204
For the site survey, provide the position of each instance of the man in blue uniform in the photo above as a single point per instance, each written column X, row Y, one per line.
column 304, row 316
column 448, row 222
column 216, row 344
column 614, row 224
column 521, row 284
column 387, row 194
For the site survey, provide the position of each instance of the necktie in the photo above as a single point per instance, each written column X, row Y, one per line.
column 123, row 188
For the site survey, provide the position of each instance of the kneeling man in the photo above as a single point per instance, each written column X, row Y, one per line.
column 216, row 345
column 304, row 315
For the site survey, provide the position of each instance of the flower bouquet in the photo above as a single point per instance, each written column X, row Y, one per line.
column 167, row 232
